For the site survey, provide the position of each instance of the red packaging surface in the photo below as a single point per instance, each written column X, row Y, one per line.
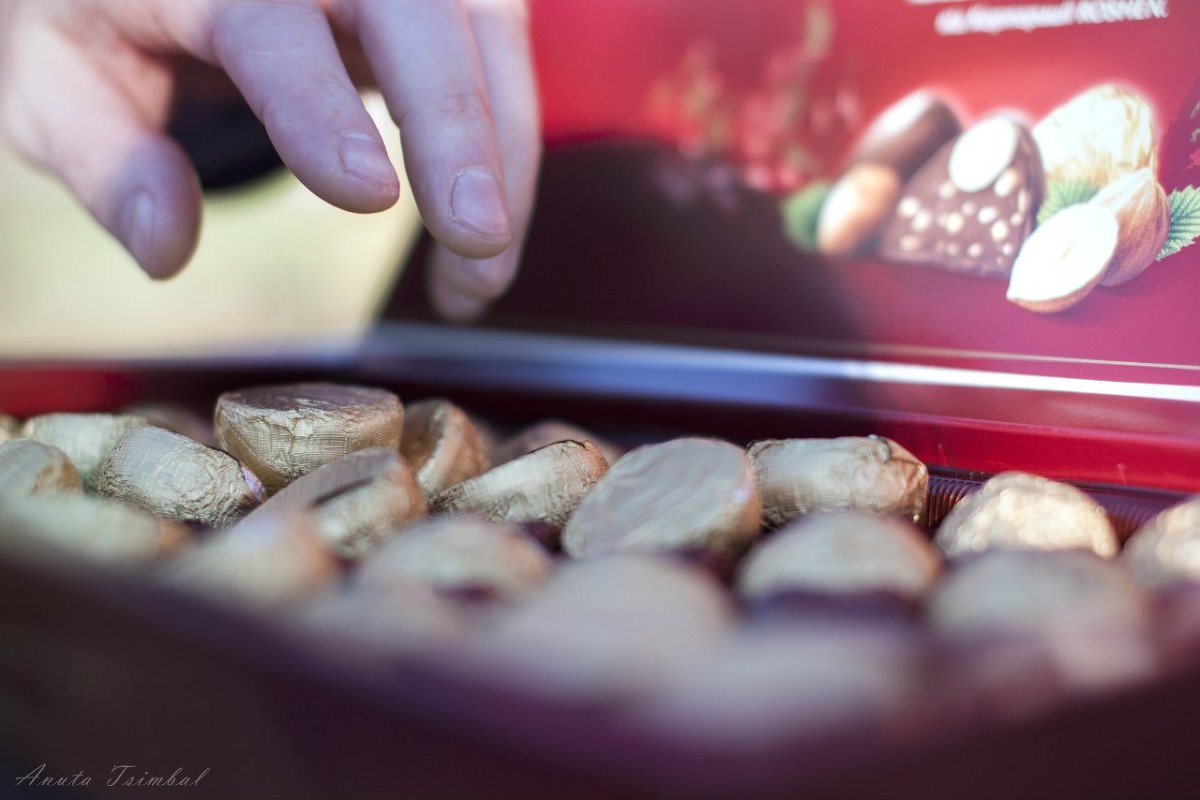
column 690, row 141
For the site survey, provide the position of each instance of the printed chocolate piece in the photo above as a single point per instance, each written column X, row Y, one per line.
column 29, row 467
column 442, row 445
column 842, row 553
column 1143, row 221
column 689, row 495
column 872, row 474
column 595, row 631
column 1015, row 510
column 1166, row 549
column 272, row 560
column 87, row 439
column 459, row 554
column 857, row 205
column 902, row 138
column 972, row 206
column 1097, row 137
column 1064, row 259
column 283, row 432
column 88, row 526
column 174, row 477
column 907, row 133
column 545, row 485
column 548, row 432
column 9, row 428
column 357, row 501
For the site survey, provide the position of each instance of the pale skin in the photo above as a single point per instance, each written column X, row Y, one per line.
column 86, row 88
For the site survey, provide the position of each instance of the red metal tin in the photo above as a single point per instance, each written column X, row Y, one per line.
column 659, row 296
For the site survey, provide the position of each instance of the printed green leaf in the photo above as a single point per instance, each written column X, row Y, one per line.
column 1060, row 194
column 1185, row 220
column 800, row 212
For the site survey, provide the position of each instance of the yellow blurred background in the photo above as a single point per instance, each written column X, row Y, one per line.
column 277, row 269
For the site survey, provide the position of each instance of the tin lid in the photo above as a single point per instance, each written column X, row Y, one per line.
column 927, row 198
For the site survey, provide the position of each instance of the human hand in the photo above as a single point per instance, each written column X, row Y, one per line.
column 86, row 88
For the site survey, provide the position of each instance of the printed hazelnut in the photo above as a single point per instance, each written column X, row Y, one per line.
column 1064, row 259
column 1143, row 215
column 1098, row 136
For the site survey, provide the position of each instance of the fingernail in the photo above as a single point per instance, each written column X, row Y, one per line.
column 364, row 157
column 477, row 203
column 137, row 228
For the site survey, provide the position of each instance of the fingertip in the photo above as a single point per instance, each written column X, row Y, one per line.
column 484, row 279
column 158, row 213
column 374, row 183
column 361, row 198
column 427, row 63
column 456, row 307
column 450, row 302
